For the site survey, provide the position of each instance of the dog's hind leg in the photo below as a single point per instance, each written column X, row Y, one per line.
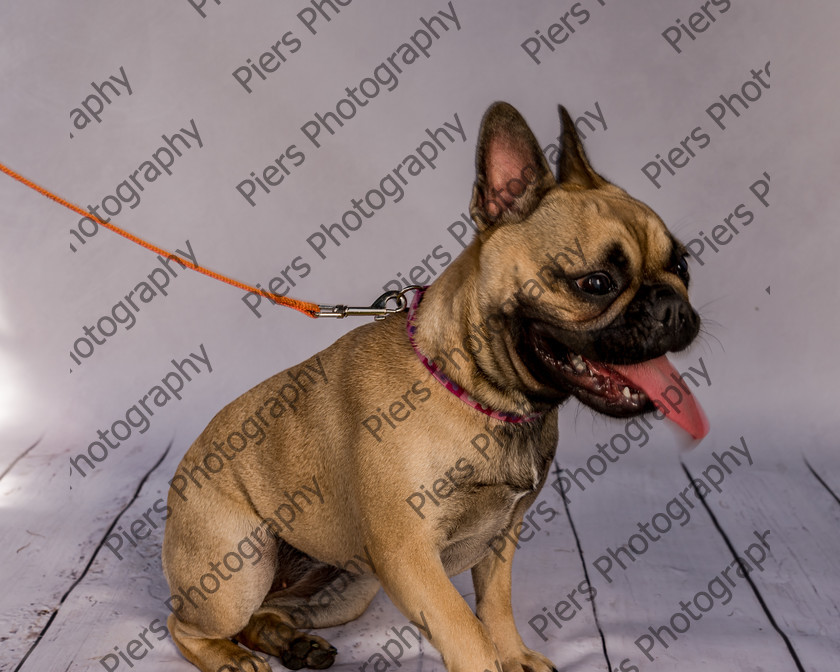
column 270, row 632
column 306, row 594
column 203, row 633
column 219, row 571
column 213, row 654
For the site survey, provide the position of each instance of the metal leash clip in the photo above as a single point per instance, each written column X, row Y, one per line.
column 378, row 309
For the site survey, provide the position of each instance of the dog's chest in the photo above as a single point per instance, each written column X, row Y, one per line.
column 507, row 472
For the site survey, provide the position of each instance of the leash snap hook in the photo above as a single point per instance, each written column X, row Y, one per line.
column 379, row 309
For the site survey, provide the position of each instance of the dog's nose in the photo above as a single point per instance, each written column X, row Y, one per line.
column 674, row 312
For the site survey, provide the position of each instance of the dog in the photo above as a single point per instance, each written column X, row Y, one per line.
column 412, row 442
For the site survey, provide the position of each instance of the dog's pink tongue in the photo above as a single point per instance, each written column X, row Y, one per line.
column 654, row 377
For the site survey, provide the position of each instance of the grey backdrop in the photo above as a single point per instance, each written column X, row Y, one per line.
column 769, row 295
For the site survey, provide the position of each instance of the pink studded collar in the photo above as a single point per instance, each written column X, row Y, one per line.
column 447, row 382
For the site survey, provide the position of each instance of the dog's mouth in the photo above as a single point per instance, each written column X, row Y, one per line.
column 596, row 382
column 619, row 390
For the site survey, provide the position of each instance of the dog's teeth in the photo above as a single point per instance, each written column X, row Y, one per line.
column 626, row 392
column 635, row 397
column 578, row 363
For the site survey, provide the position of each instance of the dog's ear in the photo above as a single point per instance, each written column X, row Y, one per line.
column 512, row 174
column 573, row 167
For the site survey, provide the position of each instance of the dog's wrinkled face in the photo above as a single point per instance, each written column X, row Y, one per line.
column 599, row 292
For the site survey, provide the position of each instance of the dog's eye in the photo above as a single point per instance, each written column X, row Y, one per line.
column 680, row 269
column 598, row 283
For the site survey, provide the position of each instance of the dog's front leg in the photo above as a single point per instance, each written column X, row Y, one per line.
column 414, row 578
column 492, row 581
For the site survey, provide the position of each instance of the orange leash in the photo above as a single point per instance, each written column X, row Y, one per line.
column 304, row 307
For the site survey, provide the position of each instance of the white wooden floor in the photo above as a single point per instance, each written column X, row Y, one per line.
column 67, row 601
column 69, row 604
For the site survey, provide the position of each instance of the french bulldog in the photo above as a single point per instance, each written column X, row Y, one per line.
column 412, row 442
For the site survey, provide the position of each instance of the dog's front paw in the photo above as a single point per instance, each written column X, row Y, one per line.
column 528, row 661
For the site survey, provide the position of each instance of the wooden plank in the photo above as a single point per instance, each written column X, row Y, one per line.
column 17, row 459
column 685, row 564
column 826, row 470
column 119, row 598
column 799, row 583
column 50, row 535
column 547, row 568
